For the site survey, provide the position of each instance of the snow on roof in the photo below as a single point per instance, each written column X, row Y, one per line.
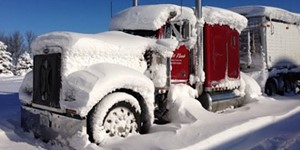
column 214, row 15
column 149, row 17
column 152, row 17
column 82, row 50
column 271, row 12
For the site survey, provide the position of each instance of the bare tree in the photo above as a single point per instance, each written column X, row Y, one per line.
column 16, row 44
column 4, row 38
column 29, row 36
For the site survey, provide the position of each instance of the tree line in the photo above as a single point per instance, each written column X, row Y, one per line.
column 15, row 54
column 18, row 43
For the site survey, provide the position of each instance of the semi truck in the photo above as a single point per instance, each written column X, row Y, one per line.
column 110, row 84
column 270, row 48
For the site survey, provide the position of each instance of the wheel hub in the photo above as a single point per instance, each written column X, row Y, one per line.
column 120, row 122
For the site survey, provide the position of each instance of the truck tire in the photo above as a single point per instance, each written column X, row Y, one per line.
column 290, row 87
column 117, row 115
column 270, row 88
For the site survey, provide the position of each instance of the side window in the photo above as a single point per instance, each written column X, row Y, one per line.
column 167, row 31
column 178, row 29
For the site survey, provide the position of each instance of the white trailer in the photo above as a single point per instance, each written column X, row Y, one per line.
column 271, row 42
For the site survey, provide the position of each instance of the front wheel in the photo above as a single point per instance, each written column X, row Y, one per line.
column 117, row 115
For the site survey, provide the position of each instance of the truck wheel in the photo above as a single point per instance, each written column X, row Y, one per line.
column 270, row 88
column 117, row 115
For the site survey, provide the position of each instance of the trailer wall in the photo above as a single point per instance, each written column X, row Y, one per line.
column 282, row 44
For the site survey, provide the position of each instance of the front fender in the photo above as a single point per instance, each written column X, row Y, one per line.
column 26, row 89
column 87, row 87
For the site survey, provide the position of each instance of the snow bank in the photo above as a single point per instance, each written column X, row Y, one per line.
column 182, row 105
column 153, row 17
column 271, row 12
column 250, row 87
column 211, row 130
column 243, row 129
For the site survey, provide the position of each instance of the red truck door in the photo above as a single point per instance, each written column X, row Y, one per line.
column 221, row 55
column 180, row 65
column 233, row 53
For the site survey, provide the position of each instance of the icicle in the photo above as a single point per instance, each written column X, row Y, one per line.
column 249, row 60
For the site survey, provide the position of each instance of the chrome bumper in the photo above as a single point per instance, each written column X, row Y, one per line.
column 48, row 125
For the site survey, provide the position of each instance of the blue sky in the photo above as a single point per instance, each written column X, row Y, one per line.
column 92, row 16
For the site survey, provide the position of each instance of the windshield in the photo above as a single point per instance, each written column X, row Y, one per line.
column 178, row 29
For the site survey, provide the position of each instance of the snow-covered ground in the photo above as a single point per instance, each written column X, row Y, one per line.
column 265, row 123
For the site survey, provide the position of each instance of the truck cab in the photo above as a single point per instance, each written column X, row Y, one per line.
column 220, row 47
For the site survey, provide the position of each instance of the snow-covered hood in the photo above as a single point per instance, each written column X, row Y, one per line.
column 80, row 43
column 82, row 50
column 271, row 12
column 153, row 17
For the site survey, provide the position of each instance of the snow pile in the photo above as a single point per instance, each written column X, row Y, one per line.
column 158, row 74
column 213, row 15
column 81, row 141
column 270, row 12
column 145, row 18
column 5, row 60
column 244, row 129
column 250, row 87
column 260, row 77
column 182, row 105
column 270, row 123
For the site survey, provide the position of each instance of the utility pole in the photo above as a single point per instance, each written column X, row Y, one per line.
column 199, row 66
column 135, row 2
